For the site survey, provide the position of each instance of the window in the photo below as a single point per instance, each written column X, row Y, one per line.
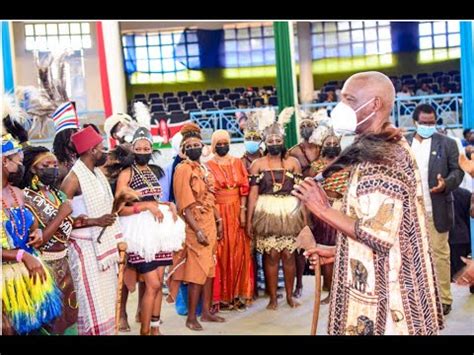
column 57, row 35
column 160, row 52
column 439, row 40
column 350, row 38
column 249, row 45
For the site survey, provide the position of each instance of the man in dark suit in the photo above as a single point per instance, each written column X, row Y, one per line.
column 437, row 158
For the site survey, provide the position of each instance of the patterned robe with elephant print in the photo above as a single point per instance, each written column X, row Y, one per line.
column 384, row 281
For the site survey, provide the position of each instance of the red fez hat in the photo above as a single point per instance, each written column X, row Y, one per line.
column 86, row 139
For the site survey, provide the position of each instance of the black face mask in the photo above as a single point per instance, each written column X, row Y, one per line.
column 101, row 161
column 194, row 153
column 222, row 150
column 275, row 149
column 48, row 176
column 142, row 159
column 331, row 152
column 306, row 132
column 16, row 177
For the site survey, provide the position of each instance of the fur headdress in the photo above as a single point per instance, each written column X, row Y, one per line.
column 251, row 127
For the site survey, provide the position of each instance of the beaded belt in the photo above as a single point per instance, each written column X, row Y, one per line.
column 56, row 255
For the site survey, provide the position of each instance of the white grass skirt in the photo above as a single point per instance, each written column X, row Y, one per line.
column 146, row 237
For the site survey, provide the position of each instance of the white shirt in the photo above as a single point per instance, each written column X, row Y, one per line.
column 467, row 181
column 422, row 153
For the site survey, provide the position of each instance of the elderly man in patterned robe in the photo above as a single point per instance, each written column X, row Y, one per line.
column 384, row 281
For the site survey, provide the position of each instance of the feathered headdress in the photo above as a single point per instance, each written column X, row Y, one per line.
column 251, row 127
column 278, row 127
column 323, row 130
column 142, row 115
column 13, row 119
column 52, row 91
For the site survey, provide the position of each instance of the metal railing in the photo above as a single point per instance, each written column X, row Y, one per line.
column 448, row 107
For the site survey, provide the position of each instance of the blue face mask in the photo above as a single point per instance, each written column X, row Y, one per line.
column 252, row 146
column 425, row 131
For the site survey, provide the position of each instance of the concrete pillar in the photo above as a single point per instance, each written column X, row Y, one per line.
column 115, row 66
column 306, row 84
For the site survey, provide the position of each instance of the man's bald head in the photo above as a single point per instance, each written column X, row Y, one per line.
column 363, row 87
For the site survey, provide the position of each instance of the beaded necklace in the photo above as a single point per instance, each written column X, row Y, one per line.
column 277, row 186
column 10, row 215
column 226, row 177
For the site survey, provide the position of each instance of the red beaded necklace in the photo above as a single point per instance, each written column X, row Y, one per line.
column 22, row 214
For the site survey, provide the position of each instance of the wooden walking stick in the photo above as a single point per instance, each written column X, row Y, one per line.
column 306, row 241
column 317, row 296
column 127, row 196
column 122, row 247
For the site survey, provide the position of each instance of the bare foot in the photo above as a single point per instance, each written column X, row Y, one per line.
column 123, row 325
column 155, row 331
column 193, row 324
column 326, row 300
column 212, row 318
column 272, row 305
column 298, row 292
column 144, row 331
column 292, row 303
column 169, row 299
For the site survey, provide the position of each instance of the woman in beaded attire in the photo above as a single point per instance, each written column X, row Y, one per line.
column 273, row 217
column 52, row 209
column 152, row 229
column 30, row 296
column 335, row 187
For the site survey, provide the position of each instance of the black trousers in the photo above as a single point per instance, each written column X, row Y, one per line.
column 458, row 250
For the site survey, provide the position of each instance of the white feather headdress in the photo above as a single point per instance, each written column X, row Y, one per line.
column 142, row 115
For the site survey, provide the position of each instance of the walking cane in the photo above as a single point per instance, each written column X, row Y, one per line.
column 122, row 247
column 317, row 296
column 306, row 241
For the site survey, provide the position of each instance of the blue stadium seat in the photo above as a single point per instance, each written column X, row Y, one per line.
column 196, row 93
column 421, row 76
column 156, row 100
column 153, row 95
column 233, row 96
column 273, row 100
column 406, row 76
column 218, row 97
column 190, row 106
column 157, row 108
column 172, row 100
column 224, row 91
column 206, row 105
column 409, row 82
column 185, row 99
column 168, row 94
column 174, row 107
column 241, row 102
column 224, row 104
column 443, row 79
column 139, row 96
column 453, row 72
column 182, row 93
column 202, row 98
column 437, row 74
column 240, row 90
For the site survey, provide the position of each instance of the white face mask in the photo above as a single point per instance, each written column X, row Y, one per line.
column 344, row 117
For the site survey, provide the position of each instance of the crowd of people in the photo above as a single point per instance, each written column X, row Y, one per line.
column 382, row 212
